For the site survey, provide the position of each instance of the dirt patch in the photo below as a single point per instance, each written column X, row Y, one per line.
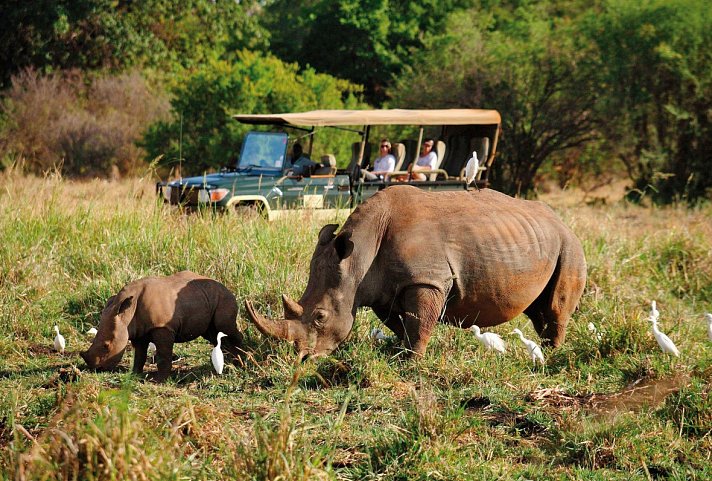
column 636, row 396
column 640, row 394
column 64, row 375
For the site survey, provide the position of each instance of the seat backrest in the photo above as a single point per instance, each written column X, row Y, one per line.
column 355, row 150
column 328, row 162
column 481, row 146
column 398, row 151
column 411, row 150
column 440, row 149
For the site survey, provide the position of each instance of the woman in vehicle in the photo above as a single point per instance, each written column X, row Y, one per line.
column 385, row 163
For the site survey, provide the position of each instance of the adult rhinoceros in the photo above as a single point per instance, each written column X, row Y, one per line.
column 416, row 258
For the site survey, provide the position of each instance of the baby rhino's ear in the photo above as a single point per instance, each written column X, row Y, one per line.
column 326, row 234
column 344, row 245
column 125, row 304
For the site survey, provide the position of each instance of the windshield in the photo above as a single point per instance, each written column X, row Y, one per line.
column 263, row 150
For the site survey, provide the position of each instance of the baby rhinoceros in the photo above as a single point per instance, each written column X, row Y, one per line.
column 163, row 310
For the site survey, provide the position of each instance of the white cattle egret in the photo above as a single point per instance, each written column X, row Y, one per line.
column 489, row 339
column 217, row 355
column 533, row 348
column 667, row 346
column 654, row 313
column 92, row 331
column 151, row 351
column 473, row 165
column 592, row 328
column 378, row 335
column 59, row 342
column 708, row 316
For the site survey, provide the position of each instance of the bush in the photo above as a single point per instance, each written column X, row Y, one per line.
column 80, row 125
column 204, row 102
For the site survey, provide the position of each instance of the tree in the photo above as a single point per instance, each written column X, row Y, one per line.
column 365, row 41
column 163, row 35
column 204, row 102
column 654, row 62
column 528, row 70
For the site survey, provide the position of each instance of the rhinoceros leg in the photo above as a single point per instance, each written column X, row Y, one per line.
column 421, row 310
column 225, row 321
column 163, row 339
column 140, row 352
column 550, row 312
column 392, row 320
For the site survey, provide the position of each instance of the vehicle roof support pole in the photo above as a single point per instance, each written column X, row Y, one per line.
column 417, row 150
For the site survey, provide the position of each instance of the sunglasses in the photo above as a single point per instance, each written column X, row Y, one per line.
column 386, row 146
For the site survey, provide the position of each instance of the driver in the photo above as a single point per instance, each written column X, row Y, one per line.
column 301, row 164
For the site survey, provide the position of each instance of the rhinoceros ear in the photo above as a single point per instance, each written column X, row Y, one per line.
column 327, row 233
column 125, row 304
column 344, row 245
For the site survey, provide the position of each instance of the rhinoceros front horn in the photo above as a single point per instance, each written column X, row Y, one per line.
column 268, row 327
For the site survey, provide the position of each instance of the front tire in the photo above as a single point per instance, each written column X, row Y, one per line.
column 249, row 211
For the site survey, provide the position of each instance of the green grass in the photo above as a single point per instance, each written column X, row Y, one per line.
column 365, row 412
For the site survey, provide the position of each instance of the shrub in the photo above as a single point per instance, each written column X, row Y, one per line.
column 83, row 126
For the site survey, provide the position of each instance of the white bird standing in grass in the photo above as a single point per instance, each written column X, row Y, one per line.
column 59, row 342
column 217, row 355
column 92, row 331
column 708, row 316
column 592, row 329
column 667, row 346
column 471, row 169
column 533, row 348
column 378, row 335
column 151, row 351
column 489, row 339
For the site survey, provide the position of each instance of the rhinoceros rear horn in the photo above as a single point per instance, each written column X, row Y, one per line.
column 292, row 309
column 268, row 327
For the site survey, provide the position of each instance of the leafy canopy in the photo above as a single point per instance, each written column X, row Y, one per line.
column 205, row 101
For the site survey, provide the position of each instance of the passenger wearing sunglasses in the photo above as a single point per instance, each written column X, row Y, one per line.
column 427, row 160
column 384, row 164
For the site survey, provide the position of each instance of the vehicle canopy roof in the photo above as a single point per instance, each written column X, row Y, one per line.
column 329, row 118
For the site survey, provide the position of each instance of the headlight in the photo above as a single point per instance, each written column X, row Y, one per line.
column 214, row 195
column 167, row 192
column 218, row 194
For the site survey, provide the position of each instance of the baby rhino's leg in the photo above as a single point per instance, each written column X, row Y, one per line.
column 140, row 352
column 163, row 339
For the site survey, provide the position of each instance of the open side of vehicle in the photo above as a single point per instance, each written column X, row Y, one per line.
column 264, row 180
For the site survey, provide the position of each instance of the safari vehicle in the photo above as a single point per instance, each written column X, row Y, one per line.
column 263, row 179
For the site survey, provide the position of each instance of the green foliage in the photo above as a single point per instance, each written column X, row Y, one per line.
column 521, row 63
column 204, row 102
column 161, row 35
column 369, row 41
column 653, row 62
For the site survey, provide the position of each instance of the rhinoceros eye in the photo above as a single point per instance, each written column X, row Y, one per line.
column 319, row 317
